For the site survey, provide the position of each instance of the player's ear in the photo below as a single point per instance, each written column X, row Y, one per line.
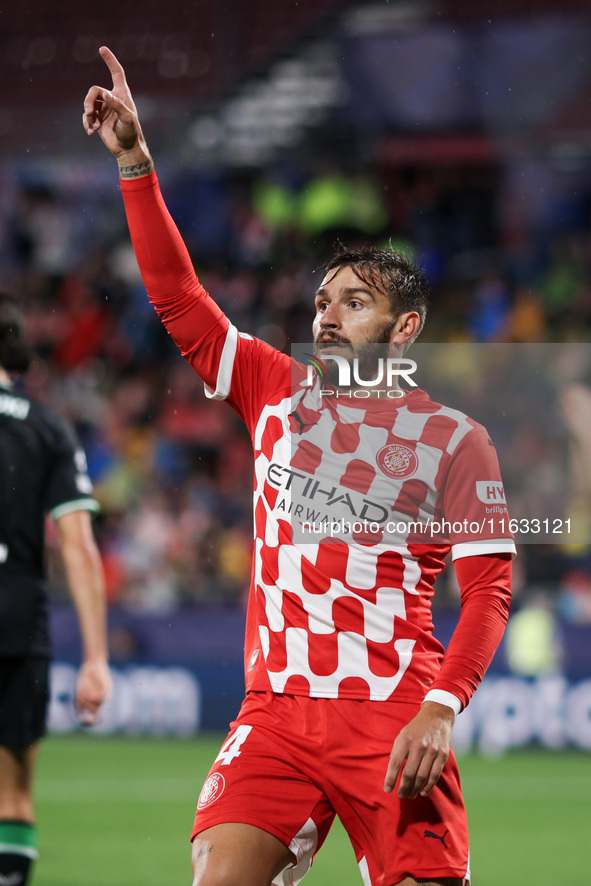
column 405, row 328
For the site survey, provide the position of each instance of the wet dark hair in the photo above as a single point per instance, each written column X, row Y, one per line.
column 390, row 272
column 15, row 352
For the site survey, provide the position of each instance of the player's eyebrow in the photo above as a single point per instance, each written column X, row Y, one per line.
column 348, row 290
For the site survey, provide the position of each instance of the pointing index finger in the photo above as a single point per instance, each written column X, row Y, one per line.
column 114, row 66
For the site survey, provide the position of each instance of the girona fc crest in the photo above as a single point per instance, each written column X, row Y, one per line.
column 397, row 461
column 212, row 789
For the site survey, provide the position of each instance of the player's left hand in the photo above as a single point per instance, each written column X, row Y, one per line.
column 421, row 751
column 92, row 689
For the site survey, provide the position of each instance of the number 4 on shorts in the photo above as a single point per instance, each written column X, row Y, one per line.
column 231, row 748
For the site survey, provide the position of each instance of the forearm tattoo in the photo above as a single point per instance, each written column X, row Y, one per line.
column 138, row 170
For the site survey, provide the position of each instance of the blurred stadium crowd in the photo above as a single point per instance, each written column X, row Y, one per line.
column 172, row 471
column 504, row 239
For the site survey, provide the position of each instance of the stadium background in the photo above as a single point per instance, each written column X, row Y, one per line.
column 461, row 131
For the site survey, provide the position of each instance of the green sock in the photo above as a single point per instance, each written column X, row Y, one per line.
column 18, row 849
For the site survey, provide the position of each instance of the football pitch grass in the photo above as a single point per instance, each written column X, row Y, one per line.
column 118, row 812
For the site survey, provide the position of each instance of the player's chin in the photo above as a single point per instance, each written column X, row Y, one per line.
column 333, row 347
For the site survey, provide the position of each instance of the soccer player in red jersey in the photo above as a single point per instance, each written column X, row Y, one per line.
column 350, row 699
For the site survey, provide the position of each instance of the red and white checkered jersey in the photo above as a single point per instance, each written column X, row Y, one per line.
column 345, row 614
column 350, row 617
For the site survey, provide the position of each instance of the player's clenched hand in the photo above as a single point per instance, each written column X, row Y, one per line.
column 112, row 113
column 421, row 751
column 92, row 689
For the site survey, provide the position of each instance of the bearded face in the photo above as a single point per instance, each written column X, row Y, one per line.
column 365, row 357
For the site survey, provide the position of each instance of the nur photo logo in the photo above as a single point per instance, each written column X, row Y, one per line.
column 352, row 373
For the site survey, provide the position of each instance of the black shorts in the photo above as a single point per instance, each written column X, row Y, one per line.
column 24, row 698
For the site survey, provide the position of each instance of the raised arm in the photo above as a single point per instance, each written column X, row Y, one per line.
column 113, row 114
column 204, row 335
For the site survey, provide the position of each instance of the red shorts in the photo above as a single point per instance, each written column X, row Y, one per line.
column 291, row 763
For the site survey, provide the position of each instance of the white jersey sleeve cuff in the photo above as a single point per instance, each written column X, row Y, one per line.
column 78, row 504
column 475, row 548
column 226, row 365
column 440, row 696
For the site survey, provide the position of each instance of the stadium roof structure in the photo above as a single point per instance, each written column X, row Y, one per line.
column 178, row 56
column 227, row 79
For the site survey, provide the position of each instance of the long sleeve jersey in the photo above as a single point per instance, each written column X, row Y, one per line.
column 345, row 614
